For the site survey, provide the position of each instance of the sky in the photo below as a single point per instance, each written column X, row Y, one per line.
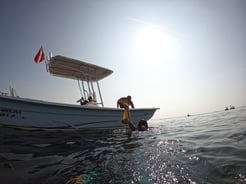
column 183, row 56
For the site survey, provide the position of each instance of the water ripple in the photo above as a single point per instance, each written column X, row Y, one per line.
column 205, row 148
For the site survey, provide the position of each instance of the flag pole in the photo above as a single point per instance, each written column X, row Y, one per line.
column 46, row 60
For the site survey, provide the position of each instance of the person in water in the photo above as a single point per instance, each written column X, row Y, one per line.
column 125, row 102
column 141, row 126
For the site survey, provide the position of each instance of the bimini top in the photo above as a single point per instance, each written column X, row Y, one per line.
column 74, row 69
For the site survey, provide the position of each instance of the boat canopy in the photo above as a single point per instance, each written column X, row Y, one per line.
column 74, row 69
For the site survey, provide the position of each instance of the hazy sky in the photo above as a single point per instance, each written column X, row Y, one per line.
column 184, row 56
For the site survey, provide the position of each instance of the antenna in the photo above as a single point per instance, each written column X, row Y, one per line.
column 50, row 55
column 11, row 91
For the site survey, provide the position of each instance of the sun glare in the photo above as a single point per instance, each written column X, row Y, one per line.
column 155, row 46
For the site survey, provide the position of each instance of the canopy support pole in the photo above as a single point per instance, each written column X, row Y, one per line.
column 80, row 88
column 100, row 93
column 88, row 84
column 93, row 92
column 82, row 82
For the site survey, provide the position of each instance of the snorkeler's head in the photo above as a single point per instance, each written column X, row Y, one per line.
column 142, row 125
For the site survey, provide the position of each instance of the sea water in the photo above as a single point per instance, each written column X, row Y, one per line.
column 205, row 148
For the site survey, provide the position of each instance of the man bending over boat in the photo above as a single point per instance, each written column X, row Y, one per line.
column 126, row 119
column 125, row 102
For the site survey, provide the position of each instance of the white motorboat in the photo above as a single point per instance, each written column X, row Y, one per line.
column 30, row 113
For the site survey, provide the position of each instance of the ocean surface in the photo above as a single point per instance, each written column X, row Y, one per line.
column 204, row 148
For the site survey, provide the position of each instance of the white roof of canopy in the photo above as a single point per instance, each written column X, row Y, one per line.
column 74, row 69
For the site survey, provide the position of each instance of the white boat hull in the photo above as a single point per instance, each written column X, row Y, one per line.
column 29, row 113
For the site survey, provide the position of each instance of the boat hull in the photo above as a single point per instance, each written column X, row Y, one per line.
column 29, row 113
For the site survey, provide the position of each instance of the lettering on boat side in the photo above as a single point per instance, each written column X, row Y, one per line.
column 11, row 113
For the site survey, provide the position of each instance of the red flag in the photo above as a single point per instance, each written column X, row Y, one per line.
column 39, row 56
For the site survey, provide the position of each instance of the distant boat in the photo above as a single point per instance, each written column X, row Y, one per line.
column 230, row 108
column 31, row 113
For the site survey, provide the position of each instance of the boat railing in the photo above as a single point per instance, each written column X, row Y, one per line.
column 3, row 93
column 12, row 92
